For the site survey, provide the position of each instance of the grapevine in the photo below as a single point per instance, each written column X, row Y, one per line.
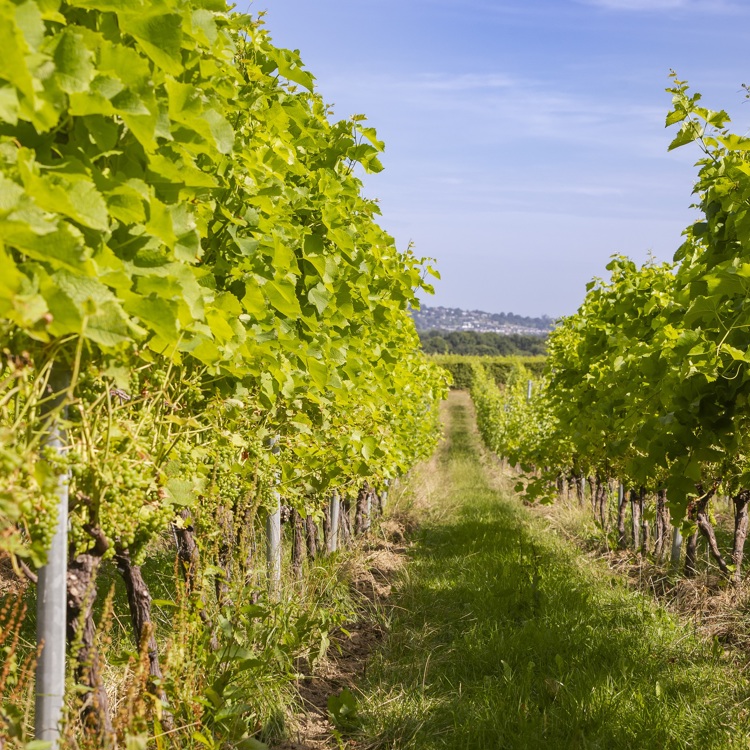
column 647, row 384
column 182, row 232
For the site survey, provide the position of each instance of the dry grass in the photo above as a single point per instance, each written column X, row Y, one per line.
column 372, row 567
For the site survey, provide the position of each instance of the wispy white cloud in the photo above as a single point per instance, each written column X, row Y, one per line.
column 525, row 138
column 489, row 109
column 703, row 6
column 465, row 82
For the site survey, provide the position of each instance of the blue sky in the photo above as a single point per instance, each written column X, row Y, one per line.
column 525, row 141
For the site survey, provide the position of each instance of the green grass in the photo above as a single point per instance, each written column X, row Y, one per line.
column 503, row 636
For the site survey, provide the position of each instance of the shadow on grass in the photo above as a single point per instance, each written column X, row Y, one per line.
column 503, row 638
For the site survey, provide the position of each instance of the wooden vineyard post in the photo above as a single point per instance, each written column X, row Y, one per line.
column 384, row 494
column 740, row 502
column 529, row 387
column 52, row 589
column 635, row 517
column 273, row 535
column 691, row 555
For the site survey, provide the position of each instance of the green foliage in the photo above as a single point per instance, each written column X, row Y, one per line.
column 186, row 245
column 511, row 423
column 500, row 369
column 342, row 709
column 485, row 344
column 461, row 370
column 181, row 224
column 245, row 683
column 649, row 382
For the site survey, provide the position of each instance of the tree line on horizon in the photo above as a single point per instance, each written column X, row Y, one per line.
column 482, row 343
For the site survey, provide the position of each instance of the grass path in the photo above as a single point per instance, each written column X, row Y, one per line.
column 503, row 636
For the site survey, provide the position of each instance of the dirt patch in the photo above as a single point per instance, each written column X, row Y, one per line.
column 10, row 584
column 349, row 653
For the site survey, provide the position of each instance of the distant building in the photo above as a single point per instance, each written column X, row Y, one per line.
column 455, row 319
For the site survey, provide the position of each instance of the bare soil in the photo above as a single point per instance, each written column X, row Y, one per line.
column 10, row 583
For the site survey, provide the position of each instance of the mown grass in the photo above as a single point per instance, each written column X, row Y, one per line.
column 503, row 636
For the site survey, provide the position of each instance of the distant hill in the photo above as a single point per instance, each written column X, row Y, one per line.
column 455, row 319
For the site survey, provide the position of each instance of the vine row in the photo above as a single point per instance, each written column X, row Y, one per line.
column 196, row 292
column 646, row 387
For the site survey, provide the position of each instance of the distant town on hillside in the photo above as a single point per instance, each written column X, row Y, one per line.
column 455, row 319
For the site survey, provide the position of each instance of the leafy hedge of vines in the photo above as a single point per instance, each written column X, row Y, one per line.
column 184, row 239
column 648, row 382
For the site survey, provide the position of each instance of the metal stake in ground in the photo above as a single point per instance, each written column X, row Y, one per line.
column 52, row 586
column 333, row 539
column 273, row 546
column 273, row 534
column 676, row 546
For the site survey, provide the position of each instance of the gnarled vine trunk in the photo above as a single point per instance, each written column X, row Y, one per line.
column 139, row 602
column 662, row 524
column 691, row 555
column 298, row 544
column 81, row 631
column 222, row 580
column 311, row 536
column 622, row 504
column 361, row 514
column 646, row 530
column 188, row 556
column 707, row 529
column 187, row 550
column 593, row 490
column 740, row 501
column 345, row 519
column 327, row 531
